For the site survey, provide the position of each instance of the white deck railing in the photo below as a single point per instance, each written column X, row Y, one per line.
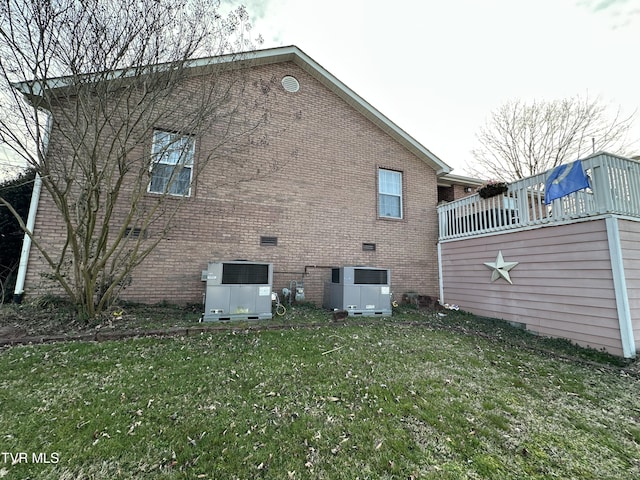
column 615, row 188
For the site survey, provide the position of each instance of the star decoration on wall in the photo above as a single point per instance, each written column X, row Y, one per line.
column 500, row 268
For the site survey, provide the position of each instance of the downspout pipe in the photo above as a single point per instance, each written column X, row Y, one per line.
column 26, row 242
column 18, row 292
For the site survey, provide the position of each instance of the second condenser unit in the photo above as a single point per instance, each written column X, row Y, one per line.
column 364, row 291
column 238, row 290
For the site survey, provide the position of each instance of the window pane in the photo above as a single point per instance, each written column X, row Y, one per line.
column 160, row 140
column 390, row 206
column 170, row 179
column 181, row 181
column 160, row 176
column 172, row 148
column 181, row 150
column 390, row 182
column 173, row 157
column 389, row 193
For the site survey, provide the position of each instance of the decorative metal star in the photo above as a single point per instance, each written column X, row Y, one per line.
column 500, row 268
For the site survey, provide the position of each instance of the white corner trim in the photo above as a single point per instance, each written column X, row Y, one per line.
column 440, row 279
column 620, row 288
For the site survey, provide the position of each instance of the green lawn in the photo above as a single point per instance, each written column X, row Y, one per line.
column 387, row 399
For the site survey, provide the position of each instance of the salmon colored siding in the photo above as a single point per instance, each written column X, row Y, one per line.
column 562, row 285
column 321, row 204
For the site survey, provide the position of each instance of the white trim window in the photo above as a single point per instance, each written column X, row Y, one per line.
column 172, row 165
column 389, row 193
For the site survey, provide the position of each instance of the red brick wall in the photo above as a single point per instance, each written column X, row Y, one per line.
column 459, row 191
column 454, row 192
column 321, row 203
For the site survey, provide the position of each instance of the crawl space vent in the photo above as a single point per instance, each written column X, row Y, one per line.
column 135, row 232
column 269, row 241
column 290, row 84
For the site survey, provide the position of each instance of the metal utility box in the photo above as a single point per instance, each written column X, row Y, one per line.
column 237, row 290
column 361, row 291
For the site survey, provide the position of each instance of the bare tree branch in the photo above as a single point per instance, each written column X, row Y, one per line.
column 93, row 80
column 520, row 140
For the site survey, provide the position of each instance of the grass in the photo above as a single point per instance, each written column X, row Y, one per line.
column 415, row 396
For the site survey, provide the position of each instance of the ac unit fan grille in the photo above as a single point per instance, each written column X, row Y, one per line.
column 369, row 277
column 245, row 274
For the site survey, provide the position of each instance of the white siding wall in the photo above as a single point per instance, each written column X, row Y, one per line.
column 562, row 286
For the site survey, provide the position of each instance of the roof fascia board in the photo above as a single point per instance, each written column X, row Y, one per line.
column 278, row 55
column 450, row 179
column 35, row 88
column 360, row 104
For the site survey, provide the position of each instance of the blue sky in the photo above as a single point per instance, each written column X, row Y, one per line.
column 438, row 68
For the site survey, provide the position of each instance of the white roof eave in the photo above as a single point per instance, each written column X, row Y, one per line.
column 361, row 105
column 297, row 56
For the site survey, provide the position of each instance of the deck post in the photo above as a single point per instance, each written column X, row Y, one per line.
column 601, row 189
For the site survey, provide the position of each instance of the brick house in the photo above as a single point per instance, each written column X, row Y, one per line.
column 354, row 189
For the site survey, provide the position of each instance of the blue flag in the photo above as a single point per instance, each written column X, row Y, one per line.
column 563, row 180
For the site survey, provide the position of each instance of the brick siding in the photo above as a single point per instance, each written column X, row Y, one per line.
column 320, row 203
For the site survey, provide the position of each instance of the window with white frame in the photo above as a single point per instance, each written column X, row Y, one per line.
column 172, row 164
column 389, row 193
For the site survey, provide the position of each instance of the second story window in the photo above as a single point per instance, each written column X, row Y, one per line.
column 172, row 164
column 389, row 194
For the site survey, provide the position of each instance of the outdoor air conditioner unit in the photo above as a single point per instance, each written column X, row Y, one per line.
column 361, row 291
column 237, row 290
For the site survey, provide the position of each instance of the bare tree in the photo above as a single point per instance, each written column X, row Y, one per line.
column 105, row 101
column 520, row 139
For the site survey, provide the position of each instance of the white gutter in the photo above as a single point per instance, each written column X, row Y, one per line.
column 26, row 243
column 31, row 222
